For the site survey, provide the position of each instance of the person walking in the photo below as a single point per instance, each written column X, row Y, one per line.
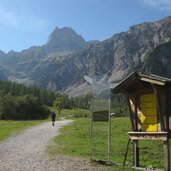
column 53, row 117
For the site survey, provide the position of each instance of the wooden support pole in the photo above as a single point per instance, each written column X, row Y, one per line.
column 159, row 107
column 135, row 153
column 91, row 132
column 109, row 132
column 131, row 114
column 166, row 155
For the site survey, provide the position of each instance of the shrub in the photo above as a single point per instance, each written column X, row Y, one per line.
column 22, row 108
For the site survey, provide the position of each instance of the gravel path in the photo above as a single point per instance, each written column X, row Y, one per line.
column 27, row 152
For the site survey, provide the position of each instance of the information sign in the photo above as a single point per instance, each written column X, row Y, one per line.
column 148, row 114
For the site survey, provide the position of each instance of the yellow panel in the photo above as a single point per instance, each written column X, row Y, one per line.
column 148, row 104
column 148, row 119
column 149, row 111
column 148, row 98
column 149, row 127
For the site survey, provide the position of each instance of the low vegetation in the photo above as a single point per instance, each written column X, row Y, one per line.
column 18, row 102
column 75, row 141
column 24, row 107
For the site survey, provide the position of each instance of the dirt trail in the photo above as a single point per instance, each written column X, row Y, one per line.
column 27, row 152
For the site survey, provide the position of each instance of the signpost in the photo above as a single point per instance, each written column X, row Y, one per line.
column 100, row 108
column 102, row 115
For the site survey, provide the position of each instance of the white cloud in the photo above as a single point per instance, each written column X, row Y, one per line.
column 22, row 22
column 158, row 4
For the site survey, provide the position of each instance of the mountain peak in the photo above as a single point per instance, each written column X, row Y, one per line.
column 65, row 39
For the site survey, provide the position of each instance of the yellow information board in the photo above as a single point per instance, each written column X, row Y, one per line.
column 148, row 113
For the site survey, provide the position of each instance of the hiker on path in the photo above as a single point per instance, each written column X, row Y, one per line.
column 53, row 117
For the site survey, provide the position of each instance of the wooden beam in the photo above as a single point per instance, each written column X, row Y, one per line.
column 159, row 107
column 136, row 153
column 165, row 105
column 148, row 135
column 166, row 155
column 131, row 113
column 161, row 83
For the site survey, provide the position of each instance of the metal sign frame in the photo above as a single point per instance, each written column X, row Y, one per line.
column 109, row 129
column 101, row 86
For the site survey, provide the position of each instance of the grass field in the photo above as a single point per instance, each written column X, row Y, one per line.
column 8, row 128
column 72, row 113
column 75, row 141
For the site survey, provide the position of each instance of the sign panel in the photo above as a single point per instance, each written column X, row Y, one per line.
column 101, row 116
column 148, row 113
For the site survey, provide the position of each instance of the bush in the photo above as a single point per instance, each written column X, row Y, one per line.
column 22, row 108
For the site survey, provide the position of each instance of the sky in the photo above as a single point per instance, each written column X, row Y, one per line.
column 26, row 23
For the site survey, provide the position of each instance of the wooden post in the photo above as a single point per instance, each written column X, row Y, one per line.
column 136, row 153
column 91, row 132
column 131, row 114
column 166, row 155
column 159, row 107
column 109, row 131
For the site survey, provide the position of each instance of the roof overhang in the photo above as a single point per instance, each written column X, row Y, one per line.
column 138, row 79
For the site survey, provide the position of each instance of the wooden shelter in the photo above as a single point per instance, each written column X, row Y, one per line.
column 149, row 101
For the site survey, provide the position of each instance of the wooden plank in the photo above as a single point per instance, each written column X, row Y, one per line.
column 148, row 114
column 166, row 155
column 149, row 127
column 152, row 119
column 165, row 105
column 159, row 108
column 149, row 111
column 136, row 153
column 131, row 113
column 145, row 105
column 153, row 81
column 148, row 136
column 136, row 113
column 148, row 98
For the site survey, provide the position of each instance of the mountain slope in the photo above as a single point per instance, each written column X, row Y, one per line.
column 64, row 39
column 62, row 62
column 159, row 61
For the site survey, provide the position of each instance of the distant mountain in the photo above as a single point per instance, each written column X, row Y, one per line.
column 2, row 56
column 64, row 39
column 62, row 62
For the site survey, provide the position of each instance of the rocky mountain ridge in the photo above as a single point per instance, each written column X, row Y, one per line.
column 62, row 62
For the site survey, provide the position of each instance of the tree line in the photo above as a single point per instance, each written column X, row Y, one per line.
column 26, row 107
column 21, row 102
column 15, row 89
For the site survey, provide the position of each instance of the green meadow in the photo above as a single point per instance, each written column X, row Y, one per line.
column 74, row 140
column 10, row 127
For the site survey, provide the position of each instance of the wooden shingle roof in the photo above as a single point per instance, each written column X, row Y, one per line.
column 136, row 79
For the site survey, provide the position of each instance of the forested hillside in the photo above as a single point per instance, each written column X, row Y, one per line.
column 21, row 102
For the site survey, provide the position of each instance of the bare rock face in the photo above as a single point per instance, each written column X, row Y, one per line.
column 130, row 48
column 64, row 39
column 62, row 62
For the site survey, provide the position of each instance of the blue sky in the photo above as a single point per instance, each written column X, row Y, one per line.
column 25, row 23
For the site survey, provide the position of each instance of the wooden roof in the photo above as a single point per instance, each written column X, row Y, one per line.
column 136, row 80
